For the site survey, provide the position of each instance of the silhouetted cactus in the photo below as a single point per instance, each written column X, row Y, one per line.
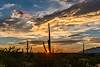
column 83, row 48
column 44, row 47
column 49, row 40
column 27, row 47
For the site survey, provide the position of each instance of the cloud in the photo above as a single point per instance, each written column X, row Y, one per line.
column 64, row 4
column 1, row 14
column 35, row 5
column 52, row 9
column 48, row 11
column 5, row 6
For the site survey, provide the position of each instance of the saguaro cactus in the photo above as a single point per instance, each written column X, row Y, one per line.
column 49, row 40
column 44, row 47
column 27, row 43
column 83, row 47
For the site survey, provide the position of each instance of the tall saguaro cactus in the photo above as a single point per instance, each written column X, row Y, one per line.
column 49, row 40
column 27, row 43
column 83, row 47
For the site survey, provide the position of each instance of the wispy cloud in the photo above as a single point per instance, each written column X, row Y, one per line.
column 48, row 11
column 52, row 9
column 63, row 3
column 5, row 6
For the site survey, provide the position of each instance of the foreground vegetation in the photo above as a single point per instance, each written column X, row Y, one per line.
column 14, row 58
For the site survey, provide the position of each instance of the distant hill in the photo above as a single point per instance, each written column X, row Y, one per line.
column 93, row 50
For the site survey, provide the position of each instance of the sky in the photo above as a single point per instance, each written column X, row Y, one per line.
column 31, row 6
column 79, row 28
column 35, row 7
column 40, row 7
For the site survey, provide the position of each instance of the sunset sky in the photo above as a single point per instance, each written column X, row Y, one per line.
column 31, row 6
column 38, row 8
column 35, row 7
